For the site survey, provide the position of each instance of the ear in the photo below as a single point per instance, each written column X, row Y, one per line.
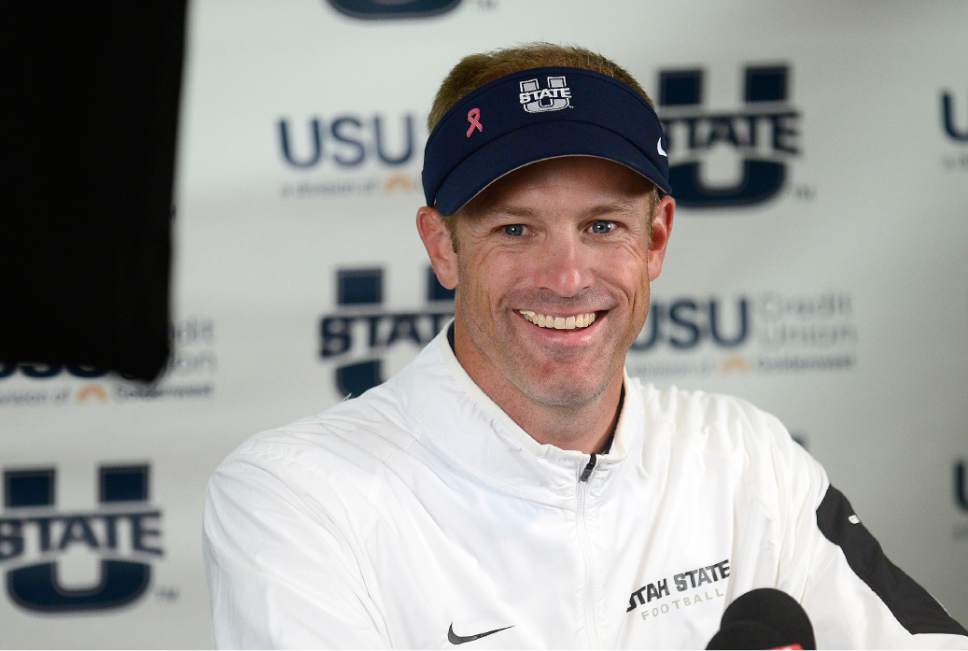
column 662, row 218
column 436, row 239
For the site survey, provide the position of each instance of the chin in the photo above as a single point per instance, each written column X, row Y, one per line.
column 564, row 394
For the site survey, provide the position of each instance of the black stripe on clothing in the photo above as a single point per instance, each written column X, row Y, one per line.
column 912, row 606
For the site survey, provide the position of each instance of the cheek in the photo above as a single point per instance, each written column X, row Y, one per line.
column 633, row 283
column 626, row 267
column 635, row 286
column 496, row 271
column 486, row 278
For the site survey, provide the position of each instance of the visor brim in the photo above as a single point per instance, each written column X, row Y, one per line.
column 535, row 143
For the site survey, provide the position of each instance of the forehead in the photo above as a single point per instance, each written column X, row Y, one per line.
column 570, row 181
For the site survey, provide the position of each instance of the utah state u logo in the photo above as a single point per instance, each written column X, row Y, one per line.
column 764, row 133
column 33, row 534
column 362, row 332
column 535, row 99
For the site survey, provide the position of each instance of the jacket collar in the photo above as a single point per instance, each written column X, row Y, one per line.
column 457, row 421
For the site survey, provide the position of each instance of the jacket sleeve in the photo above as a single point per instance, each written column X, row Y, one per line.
column 280, row 573
column 854, row 595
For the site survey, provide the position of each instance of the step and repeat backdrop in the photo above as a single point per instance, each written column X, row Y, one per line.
column 817, row 268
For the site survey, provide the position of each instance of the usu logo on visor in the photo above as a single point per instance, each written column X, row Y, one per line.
column 535, row 99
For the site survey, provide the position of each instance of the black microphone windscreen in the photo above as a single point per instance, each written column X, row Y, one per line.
column 747, row 635
column 774, row 610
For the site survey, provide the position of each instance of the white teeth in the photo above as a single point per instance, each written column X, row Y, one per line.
column 559, row 322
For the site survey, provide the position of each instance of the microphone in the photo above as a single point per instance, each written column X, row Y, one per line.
column 764, row 619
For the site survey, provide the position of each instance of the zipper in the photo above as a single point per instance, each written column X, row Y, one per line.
column 589, row 606
column 589, row 467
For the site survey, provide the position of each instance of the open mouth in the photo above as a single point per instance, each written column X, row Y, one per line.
column 556, row 322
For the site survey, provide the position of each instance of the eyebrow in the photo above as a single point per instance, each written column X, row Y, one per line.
column 511, row 210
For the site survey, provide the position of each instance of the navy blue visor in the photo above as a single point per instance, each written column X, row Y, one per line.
column 535, row 115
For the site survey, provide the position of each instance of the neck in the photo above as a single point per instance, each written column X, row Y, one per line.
column 585, row 427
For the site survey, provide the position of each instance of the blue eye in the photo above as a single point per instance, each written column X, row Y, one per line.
column 514, row 230
column 602, row 226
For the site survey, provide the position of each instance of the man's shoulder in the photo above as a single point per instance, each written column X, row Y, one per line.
column 352, row 440
column 734, row 439
column 718, row 419
column 320, row 483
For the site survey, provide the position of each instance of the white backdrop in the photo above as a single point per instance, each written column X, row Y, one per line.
column 836, row 299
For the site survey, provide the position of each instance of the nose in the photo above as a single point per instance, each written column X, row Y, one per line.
column 564, row 265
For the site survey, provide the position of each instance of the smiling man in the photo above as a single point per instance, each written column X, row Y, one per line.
column 552, row 285
column 513, row 486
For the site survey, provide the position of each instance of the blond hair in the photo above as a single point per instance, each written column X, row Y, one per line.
column 475, row 70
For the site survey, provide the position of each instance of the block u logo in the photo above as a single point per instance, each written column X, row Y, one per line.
column 37, row 587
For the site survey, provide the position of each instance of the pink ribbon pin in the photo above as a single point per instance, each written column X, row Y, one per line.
column 474, row 119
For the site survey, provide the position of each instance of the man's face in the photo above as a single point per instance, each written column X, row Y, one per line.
column 552, row 277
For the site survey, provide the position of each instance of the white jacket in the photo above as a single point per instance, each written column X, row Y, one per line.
column 420, row 514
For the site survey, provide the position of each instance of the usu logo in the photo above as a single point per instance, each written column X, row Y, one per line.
column 123, row 529
column 189, row 374
column 46, row 371
column 961, row 486
column 685, row 323
column 766, row 332
column 349, row 141
column 379, row 9
column 949, row 121
column 535, row 99
column 362, row 331
column 764, row 132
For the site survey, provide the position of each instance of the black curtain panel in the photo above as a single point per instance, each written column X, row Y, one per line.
column 88, row 117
